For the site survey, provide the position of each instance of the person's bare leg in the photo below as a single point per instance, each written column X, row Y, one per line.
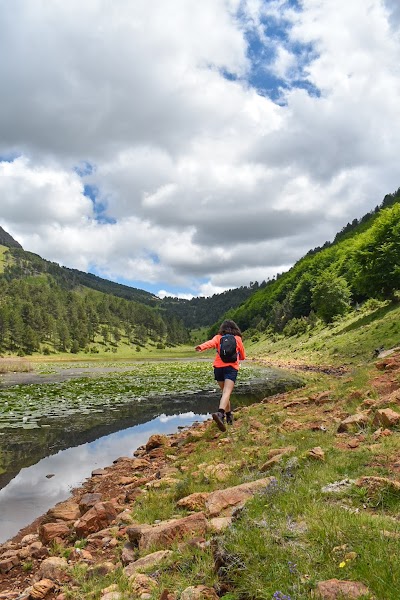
column 227, row 389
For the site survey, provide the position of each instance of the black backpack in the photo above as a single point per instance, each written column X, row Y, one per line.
column 227, row 348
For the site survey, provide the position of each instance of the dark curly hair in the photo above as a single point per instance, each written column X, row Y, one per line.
column 229, row 327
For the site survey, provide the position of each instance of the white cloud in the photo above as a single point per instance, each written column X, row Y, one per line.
column 202, row 183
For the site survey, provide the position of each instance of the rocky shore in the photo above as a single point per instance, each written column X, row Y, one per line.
column 95, row 528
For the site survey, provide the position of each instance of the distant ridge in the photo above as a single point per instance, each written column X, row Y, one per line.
column 7, row 240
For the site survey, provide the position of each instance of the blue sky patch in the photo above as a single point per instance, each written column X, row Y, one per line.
column 99, row 208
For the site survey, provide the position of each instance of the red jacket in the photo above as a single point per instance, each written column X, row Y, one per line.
column 214, row 343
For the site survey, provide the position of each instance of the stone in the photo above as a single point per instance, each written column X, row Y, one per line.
column 139, row 464
column 199, row 592
column 354, row 422
column 96, row 518
column 291, row 425
column 29, row 539
column 148, row 561
column 128, row 554
column 88, row 501
column 9, row 562
column 335, row 589
column 376, row 483
column 155, row 441
column 316, row 453
column 218, row 524
column 41, row 588
column 99, row 472
column 386, row 417
column 285, row 450
column 101, row 569
column 166, row 532
column 226, row 501
column 142, row 585
column 196, row 501
column 65, row 511
column 53, row 568
column 271, row 463
column 50, row 531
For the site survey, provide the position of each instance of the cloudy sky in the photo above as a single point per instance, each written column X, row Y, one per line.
column 192, row 147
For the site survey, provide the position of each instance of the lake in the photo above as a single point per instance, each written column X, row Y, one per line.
column 61, row 422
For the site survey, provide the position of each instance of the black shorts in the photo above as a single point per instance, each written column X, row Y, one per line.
column 222, row 373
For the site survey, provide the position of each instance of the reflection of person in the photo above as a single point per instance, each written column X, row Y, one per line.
column 225, row 373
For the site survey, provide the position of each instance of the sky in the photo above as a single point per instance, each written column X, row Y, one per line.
column 187, row 147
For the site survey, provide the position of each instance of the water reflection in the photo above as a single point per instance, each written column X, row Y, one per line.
column 31, row 493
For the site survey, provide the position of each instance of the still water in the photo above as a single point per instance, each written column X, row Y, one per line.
column 31, row 493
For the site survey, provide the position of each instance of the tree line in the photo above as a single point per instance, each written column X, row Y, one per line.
column 36, row 313
column 362, row 263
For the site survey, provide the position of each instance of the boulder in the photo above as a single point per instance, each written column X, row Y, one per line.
column 96, row 518
column 166, row 532
column 226, row 501
column 196, row 501
column 148, row 561
column 41, row 588
column 316, row 453
column 155, row 441
column 53, row 568
column 50, row 531
column 386, row 417
column 87, row 501
column 65, row 511
column 335, row 589
column 199, row 592
column 354, row 422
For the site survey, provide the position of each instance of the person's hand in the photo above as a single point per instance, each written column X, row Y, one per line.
column 198, row 349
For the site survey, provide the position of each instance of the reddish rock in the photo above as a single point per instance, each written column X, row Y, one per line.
column 386, row 417
column 50, row 531
column 96, row 518
column 272, row 462
column 155, row 441
column 65, row 511
column 8, row 562
column 166, row 532
column 285, row 450
column 199, row 592
column 87, row 501
column 354, row 422
column 148, row 561
column 41, row 589
column 316, row 453
column 334, row 589
column 234, row 497
column 53, row 568
column 196, row 501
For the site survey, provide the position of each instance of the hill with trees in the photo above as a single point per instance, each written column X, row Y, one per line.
column 363, row 262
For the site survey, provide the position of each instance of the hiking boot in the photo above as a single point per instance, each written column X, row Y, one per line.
column 229, row 418
column 219, row 418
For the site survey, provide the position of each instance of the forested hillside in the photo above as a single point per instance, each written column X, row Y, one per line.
column 362, row 263
column 48, row 308
column 202, row 312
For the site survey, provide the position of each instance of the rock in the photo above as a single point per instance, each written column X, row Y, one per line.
column 53, row 568
column 29, row 539
column 128, row 554
column 88, row 501
column 101, row 569
column 37, row 550
column 139, row 464
column 9, row 562
column 334, row 589
column 354, row 422
column 65, row 511
column 112, row 596
column 316, row 453
column 50, row 531
column 218, row 524
column 41, row 589
column 155, row 441
column 377, row 483
column 196, row 501
column 99, row 472
column 272, row 462
column 291, row 425
column 166, row 532
column 338, row 487
column 149, row 561
column 322, row 398
column 95, row 519
column 199, row 592
column 285, row 450
column 386, row 417
column 234, row 497
column 142, row 585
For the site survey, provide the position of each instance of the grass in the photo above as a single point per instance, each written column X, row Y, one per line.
column 14, row 365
